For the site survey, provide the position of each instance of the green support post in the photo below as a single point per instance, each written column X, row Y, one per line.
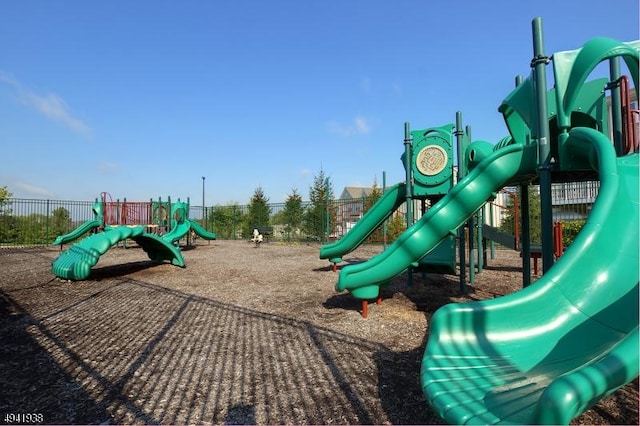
column 326, row 197
column 459, row 133
column 480, row 242
column 408, row 177
column 492, row 221
column 539, row 63
column 384, row 225
column 409, row 186
column 616, row 107
column 170, row 218
column 525, row 233
column 471, row 227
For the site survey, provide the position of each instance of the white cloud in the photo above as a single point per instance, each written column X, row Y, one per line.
column 51, row 106
column 30, row 190
column 365, row 84
column 359, row 125
column 106, row 167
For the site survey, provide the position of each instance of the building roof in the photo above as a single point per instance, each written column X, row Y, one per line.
column 353, row 192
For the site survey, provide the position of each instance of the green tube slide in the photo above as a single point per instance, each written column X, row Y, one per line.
column 389, row 202
column 547, row 353
column 506, row 165
column 76, row 262
column 179, row 230
column 78, row 232
column 203, row 233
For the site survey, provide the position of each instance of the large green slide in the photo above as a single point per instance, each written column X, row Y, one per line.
column 506, row 165
column 389, row 202
column 76, row 262
column 547, row 353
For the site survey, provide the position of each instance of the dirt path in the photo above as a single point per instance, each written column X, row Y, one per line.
column 240, row 336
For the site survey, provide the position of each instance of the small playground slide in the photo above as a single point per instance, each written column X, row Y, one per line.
column 76, row 262
column 547, row 353
column 498, row 169
column 392, row 198
column 202, row 233
column 178, row 231
column 78, row 232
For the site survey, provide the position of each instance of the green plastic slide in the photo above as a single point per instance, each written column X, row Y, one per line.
column 76, row 262
column 178, row 231
column 202, row 233
column 389, row 202
column 503, row 166
column 181, row 229
column 78, row 232
column 545, row 354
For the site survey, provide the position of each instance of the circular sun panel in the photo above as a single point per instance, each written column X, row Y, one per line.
column 431, row 160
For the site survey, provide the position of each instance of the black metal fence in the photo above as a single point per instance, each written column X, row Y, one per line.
column 37, row 222
column 34, row 222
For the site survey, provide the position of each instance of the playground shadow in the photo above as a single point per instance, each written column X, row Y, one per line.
column 121, row 269
column 27, row 369
column 345, row 262
column 136, row 352
column 342, row 301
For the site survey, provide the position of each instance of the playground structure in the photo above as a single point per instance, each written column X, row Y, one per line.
column 157, row 227
column 547, row 353
column 428, row 163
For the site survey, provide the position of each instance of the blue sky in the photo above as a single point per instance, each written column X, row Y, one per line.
column 142, row 98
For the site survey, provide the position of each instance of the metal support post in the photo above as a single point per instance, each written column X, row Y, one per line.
column 539, row 63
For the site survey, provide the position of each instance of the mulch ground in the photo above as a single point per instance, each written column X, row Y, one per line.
column 242, row 335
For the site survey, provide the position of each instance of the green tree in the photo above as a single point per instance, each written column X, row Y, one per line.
column 570, row 229
column 33, row 229
column 320, row 209
column 396, row 226
column 259, row 212
column 293, row 213
column 8, row 229
column 60, row 221
column 369, row 201
column 5, row 201
column 226, row 220
column 508, row 221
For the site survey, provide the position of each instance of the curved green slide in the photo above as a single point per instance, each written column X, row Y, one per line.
column 179, row 230
column 503, row 166
column 389, row 202
column 203, row 233
column 76, row 262
column 78, row 232
column 545, row 354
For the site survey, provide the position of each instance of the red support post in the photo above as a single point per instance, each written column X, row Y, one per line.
column 558, row 247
